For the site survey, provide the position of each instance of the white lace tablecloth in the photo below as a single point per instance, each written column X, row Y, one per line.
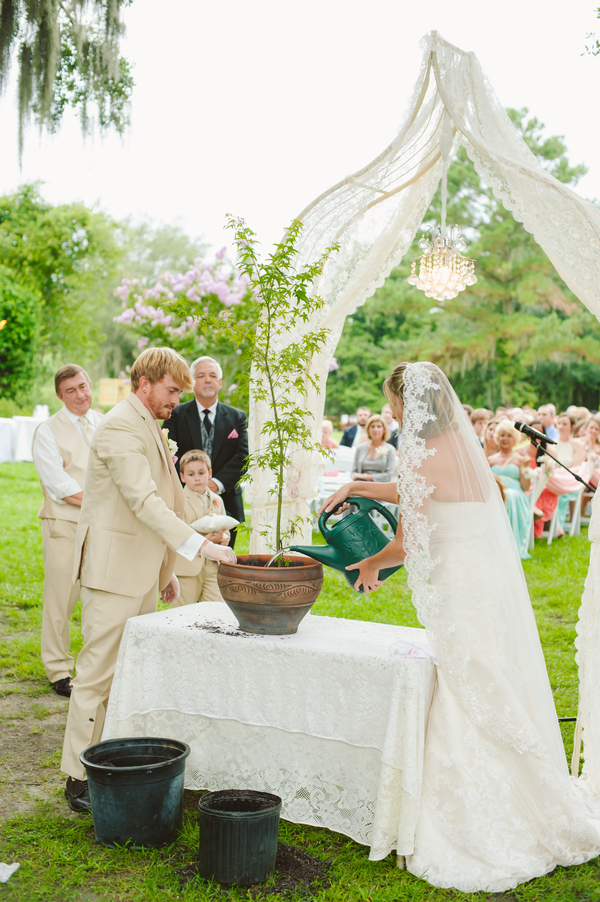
column 328, row 719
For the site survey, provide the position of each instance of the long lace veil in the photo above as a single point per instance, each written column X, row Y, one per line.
column 464, row 571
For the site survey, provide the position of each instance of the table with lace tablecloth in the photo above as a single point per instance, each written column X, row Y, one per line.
column 329, row 719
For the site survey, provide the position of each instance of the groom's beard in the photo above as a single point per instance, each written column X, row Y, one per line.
column 160, row 410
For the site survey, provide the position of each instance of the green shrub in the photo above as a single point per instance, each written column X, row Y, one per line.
column 19, row 340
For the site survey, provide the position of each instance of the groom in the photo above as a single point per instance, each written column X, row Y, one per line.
column 217, row 429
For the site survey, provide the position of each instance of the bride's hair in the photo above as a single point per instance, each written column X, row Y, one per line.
column 393, row 387
column 437, row 400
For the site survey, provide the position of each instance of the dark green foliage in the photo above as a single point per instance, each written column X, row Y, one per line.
column 68, row 55
column 19, row 338
column 67, row 256
column 517, row 336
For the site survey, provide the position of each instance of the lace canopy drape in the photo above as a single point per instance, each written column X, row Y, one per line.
column 374, row 215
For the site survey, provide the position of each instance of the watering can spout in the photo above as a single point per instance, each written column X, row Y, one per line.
column 324, row 554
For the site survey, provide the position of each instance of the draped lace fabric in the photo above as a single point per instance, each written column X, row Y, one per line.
column 588, row 660
column 497, row 804
column 375, row 213
column 328, row 718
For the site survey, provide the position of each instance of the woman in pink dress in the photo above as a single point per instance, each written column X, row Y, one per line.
column 546, row 502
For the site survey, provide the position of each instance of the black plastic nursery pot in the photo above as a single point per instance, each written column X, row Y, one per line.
column 238, row 835
column 136, row 790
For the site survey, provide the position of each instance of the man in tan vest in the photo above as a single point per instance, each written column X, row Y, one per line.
column 61, row 448
column 128, row 535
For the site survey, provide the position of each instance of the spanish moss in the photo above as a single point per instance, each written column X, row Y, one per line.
column 67, row 53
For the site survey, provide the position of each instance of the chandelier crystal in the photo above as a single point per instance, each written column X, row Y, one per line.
column 443, row 270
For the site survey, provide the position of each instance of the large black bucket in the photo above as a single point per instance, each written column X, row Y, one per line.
column 136, row 790
column 238, row 835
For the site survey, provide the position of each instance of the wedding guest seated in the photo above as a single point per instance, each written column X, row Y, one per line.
column 353, row 435
column 375, row 459
column 489, row 438
column 545, row 503
column 198, row 578
column 326, row 438
column 590, row 436
column 570, row 451
column 510, row 465
column 547, row 414
column 530, row 414
column 479, row 418
column 467, row 409
column 392, row 425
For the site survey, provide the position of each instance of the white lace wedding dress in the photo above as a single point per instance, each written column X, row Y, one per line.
column 497, row 807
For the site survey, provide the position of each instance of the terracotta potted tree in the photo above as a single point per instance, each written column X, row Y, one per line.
column 275, row 599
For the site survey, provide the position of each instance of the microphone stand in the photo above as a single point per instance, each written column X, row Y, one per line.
column 538, row 444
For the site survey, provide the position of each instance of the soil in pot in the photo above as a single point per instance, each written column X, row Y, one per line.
column 270, row 600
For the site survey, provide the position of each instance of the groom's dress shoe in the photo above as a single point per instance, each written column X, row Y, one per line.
column 63, row 687
column 78, row 795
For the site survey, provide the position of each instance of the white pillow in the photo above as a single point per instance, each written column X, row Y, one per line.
column 214, row 523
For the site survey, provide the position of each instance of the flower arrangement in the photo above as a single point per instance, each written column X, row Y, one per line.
column 547, row 465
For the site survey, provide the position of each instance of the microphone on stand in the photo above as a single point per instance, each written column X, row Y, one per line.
column 533, row 433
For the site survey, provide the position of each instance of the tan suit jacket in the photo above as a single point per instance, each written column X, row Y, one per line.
column 194, row 510
column 131, row 518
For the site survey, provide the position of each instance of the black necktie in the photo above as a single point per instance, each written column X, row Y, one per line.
column 207, row 422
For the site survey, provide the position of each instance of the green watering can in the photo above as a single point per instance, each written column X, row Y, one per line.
column 353, row 538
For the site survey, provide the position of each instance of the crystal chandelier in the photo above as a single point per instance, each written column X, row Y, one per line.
column 443, row 270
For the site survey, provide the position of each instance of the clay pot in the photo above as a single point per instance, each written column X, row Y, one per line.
column 270, row 600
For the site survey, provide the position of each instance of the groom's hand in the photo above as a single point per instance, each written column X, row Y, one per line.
column 368, row 576
column 171, row 591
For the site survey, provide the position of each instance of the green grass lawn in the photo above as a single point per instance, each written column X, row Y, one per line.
column 59, row 857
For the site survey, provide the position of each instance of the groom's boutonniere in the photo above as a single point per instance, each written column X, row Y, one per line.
column 171, row 445
column 233, row 434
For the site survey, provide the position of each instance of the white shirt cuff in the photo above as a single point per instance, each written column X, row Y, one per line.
column 220, row 486
column 71, row 487
column 190, row 548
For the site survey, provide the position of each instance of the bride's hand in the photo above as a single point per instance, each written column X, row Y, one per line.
column 337, row 498
column 368, row 576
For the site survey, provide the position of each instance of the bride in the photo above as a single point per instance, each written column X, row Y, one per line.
column 497, row 806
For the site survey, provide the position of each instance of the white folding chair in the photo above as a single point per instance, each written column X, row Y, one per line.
column 540, row 480
column 587, row 498
column 552, row 531
column 575, row 524
column 343, row 460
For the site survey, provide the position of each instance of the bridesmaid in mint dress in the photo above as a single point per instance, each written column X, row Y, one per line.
column 509, row 465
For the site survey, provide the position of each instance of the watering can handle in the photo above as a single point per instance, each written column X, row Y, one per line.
column 364, row 504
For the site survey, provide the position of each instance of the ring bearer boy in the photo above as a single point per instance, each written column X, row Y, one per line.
column 198, row 578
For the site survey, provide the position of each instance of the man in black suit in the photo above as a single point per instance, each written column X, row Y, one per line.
column 352, row 435
column 219, row 430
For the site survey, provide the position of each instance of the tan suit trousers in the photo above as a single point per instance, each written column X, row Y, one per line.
column 103, row 617
column 59, row 598
column 203, row 587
